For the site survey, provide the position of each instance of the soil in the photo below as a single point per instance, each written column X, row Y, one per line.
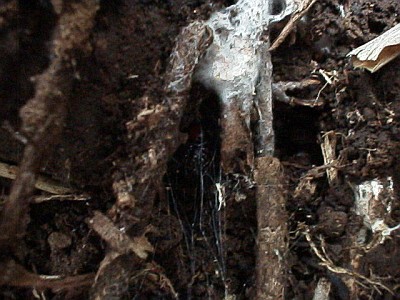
column 203, row 249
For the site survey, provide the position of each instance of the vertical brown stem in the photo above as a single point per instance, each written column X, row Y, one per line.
column 272, row 229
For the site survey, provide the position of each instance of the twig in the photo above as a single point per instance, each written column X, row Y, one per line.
column 67, row 197
column 280, row 89
column 272, row 235
column 42, row 183
column 303, row 8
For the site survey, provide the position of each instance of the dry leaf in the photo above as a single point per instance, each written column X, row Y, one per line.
column 378, row 52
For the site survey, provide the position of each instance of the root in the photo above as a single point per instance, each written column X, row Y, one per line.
column 328, row 263
column 14, row 274
column 272, row 229
column 42, row 122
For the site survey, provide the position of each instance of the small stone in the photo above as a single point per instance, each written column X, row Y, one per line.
column 58, row 241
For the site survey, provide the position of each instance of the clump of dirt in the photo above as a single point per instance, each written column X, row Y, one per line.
column 204, row 248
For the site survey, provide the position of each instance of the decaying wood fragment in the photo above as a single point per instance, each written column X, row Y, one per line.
column 328, row 147
column 58, row 197
column 117, row 239
column 123, row 262
column 378, row 52
column 272, row 239
column 307, row 184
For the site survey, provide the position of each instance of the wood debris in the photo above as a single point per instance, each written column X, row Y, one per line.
column 42, row 183
column 328, row 147
column 117, row 239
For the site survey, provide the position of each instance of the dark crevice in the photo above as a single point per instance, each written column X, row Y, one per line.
column 24, row 42
column 194, row 168
column 277, row 7
column 376, row 26
column 192, row 174
column 296, row 133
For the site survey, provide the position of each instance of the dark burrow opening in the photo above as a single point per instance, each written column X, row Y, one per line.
column 17, row 48
column 194, row 168
column 215, row 255
column 297, row 146
column 192, row 175
column 296, row 134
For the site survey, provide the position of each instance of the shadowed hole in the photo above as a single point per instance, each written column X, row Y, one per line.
column 277, row 7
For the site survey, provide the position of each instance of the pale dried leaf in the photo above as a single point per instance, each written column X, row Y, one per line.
column 378, row 52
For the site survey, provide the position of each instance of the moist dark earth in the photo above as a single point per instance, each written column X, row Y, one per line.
column 204, row 250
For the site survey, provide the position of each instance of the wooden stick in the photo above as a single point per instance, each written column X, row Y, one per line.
column 42, row 183
column 303, row 7
column 272, row 236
